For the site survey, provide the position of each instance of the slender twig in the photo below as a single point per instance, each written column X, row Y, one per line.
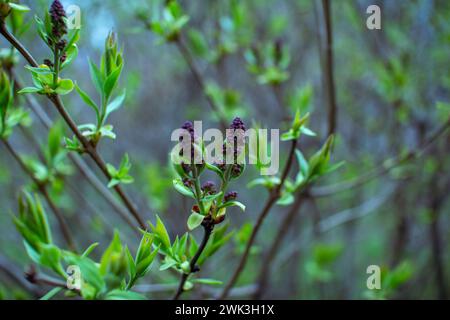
column 15, row 273
column 43, row 190
column 88, row 147
column 208, row 227
column 263, row 278
column 380, row 170
column 36, row 278
column 329, row 72
column 199, row 79
column 273, row 197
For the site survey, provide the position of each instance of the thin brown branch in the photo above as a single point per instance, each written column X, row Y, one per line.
column 264, row 275
column 15, row 273
column 208, row 229
column 273, row 197
column 90, row 150
column 329, row 70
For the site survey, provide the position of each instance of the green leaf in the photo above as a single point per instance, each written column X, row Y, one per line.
column 124, row 295
column 54, row 140
column 88, row 251
column 286, row 199
column 65, row 86
column 51, row 293
column 87, row 100
column 30, row 90
column 302, row 162
column 215, row 169
column 167, row 265
column 144, row 265
column 97, row 77
column 181, row 188
column 18, row 7
column 111, row 82
column 161, row 233
column 89, row 270
column 233, row 204
column 308, row 132
column 194, row 220
column 72, row 53
column 115, row 104
column 73, row 40
column 131, row 264
column 40, row 70
column 109, row 256
column 113, row 182
column 211, row 282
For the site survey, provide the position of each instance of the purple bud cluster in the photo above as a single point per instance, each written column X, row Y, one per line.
column 189, row 127
column 57, row 17
column 209, row 187
column 230, row 196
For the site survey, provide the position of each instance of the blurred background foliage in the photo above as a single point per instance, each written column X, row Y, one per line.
column 392, row 88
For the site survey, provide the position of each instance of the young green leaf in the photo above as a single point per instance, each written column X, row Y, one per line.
column 194, row 220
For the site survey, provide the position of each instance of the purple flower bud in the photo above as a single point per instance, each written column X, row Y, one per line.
column 57, row 17
column 209, row 187
column 236, row 138
column 193, row 141
column 61, row 44
column 237, row 124
column 187, row 182
column 48, row 63
column 236, row 170
column 231, row 195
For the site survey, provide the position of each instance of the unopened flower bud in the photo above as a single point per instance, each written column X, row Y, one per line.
column 230, row 196
column 209, row 187
column 57, row 16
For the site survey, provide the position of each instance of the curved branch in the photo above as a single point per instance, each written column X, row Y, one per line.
column 208, row 228
column 274, row 196
column 263, row 278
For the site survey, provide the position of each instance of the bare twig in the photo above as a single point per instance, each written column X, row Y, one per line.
column 263, row 278
column 14, row 273
column 273, row 197
column 208, row 227
column 329, row 72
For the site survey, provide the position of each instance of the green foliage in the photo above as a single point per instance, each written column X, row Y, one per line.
column 105, row 79
column 9, row 116
column 55, row 165
column 392, row 281
column 120, row 175
column 111, row 278
column 321, row 261
column 269, row 63
column 169, row 23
